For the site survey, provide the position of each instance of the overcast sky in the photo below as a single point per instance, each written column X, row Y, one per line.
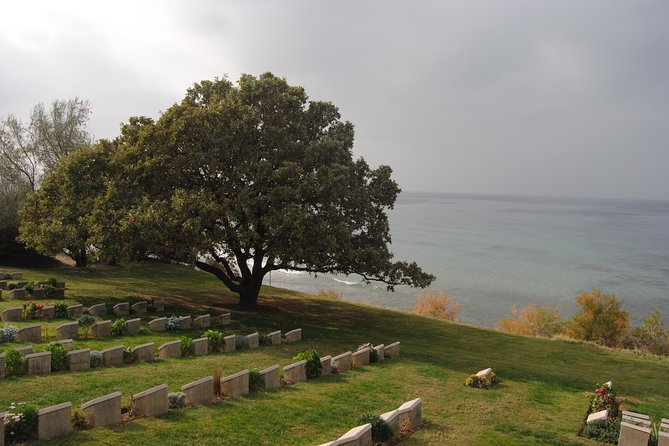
column 559, row 98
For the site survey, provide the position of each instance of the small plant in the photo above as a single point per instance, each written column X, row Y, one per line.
column 329, row 293
column 313, row 366
column 373, row 355
column 254, row 380
column 31, row 310
column 482, row 382
column 605, row 399
column 79, row 422
column 58, row 354
column 216, row 340
column 86, row 320
column 51, row 281
column 435, row 305
column 119, row 327
column 381, row 430
column 14, row 363
column 60, row 310
column 20, row 423
column 187, row 348
column 128, row 356
column 174, row 323
column 144, row 331
column 11, row 286
column 177, row 400
column 49, row 291
column 96, row 359
column 264, row 340
column 29, row 288
column 241, row 342
column 217, row 383
column 8, row 333
column 602, row 431
column 334, row 367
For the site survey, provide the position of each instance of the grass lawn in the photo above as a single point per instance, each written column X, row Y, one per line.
column 543, row 397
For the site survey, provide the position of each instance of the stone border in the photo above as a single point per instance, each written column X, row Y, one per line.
column 103, row 411
column 343, row 361
column 296, row 372
column 200, row 391
column 151, row 402
column 294, row 335
column 360, row 357
column 38, row 363
column 171, row 349
column 54, row 421
column 270, row 378
column 143, row 352
column 392, row 350
column 236, row 384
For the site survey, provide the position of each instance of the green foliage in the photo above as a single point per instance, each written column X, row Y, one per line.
column 600, row 319
column 381, row 430
column 533, row 321
column 241, row 342
column 58, row 354
column 8, row 333
column 119, row 327
column 96, row 359
column 49, row 291
column 79, row 422
column 254, row 379
column 264, row 341
column 186, row 346
column 20, row 424
column 51, row 281
column 31, row 310
column 15, row 363
column 253, row 170
column 86, row 320
column 216, row 340
column 482, row 382
column 602, row 431
column 29, row 288
column 652, row 335
column 128, row 356
column 60, row 310
column 176, row 400
column 313, row 366
column 373, row 355
column 605, row 399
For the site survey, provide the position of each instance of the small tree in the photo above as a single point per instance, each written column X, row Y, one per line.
column 531, row 321
column 600, row 319
column 438, row 306
column 652, row 335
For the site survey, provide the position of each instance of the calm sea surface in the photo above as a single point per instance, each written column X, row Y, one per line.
column 490, row 253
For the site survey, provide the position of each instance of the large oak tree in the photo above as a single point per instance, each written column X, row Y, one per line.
column 242, row 179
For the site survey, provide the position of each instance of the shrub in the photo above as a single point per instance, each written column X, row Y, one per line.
column 96, row 359
column 175, row 323
column 241, row 342
column 128, row 356
column 313, row 366
column 532, row 321
column 86, row 320
column 381, row 430
column 602, row 431
column 438, row 306
column 264, row 340
column 14, row 363
column 51, row 281
column 78, row 419
column 8, row 333
column 482, row 382
column 30, row 288
column 254, row 379
column 651, row 336
column 186, row 346
column 216, row 340
column 20, row 424
column 605, row 399
column 329, row 293
column 177, row 400
column 334, row 367
column 60, row 310
column 373, row 355
column 119, row 327
column 217, row 383
column 11, row 286
column 49, row 291
column 31, row 310
column 600, row 319
column 58, row 354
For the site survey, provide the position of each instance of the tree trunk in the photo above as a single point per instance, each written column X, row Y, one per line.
column 248, row 293
column 81, row 258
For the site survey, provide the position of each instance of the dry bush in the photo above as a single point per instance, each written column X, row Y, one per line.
column 531, row 321
column 600, row 319
column 652, row 336
column 435, row 305
column 332, row 294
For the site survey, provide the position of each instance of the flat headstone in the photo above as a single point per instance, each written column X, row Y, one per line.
column 358, row 436
column 253, row 340
column 221, row 319
column 326, row 365
column 236, row 384
column 78, row 359
column 69, row 330
column 296, row 372
column 203, row 321
column 200, row 346
column 103, row 411
column 97, row 310
column 170, row 349
column 38, row 363
column 54, row 421
column 294, row 335
column 121, row 309
column 101, row 329
column 12, row 314
column 159, row 324
column 75, row 311
column 343, row 361
column 595, row 417
column 392, row 350
column 229, row 342
column 152, row 402
column 139, row 307
column 134, row 325
column 112, row 356
column 270, row 378
column 200, row 391
column 274, row 337
column 484, row 373
column 144, row 352
column 360, row 357
column 30, row 333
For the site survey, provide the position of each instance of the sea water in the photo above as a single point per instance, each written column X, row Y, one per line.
column 491, row 253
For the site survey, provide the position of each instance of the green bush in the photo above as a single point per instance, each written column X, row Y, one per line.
column 602, row 431
column 216, row 340
column 15, row 363
column 482, row 382
column 241, row 342
column 254, row 379
column 128, row 356
column 58, row 354
column 51, row 281
column 373, row 355
column 96, row 359
column 21, row 424
column 264, row 340
column 8, row 333
column 186, row 346
column 86, row 320
column 31, row 310
column 313, row 365
column 30, row 288
column 119, row 327
column 79, row 422
column 49, row 291
column 381, row 430
column 60, row 310
column 176, row 400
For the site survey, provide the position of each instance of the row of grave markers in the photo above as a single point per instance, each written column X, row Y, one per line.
column 408, row 416
column 15, row 314
column 76, row 360
column 106, row 410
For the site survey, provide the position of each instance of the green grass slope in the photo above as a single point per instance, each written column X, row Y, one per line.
column 541, row 401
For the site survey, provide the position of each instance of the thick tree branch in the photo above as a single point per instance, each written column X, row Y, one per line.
column 234, row 287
